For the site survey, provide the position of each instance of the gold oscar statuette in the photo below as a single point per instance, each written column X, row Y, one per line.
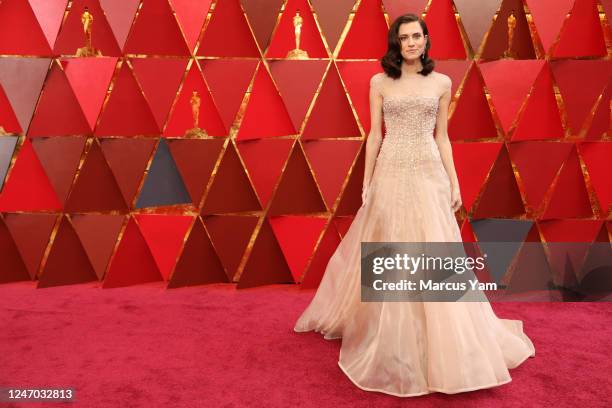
column 297, row 24
column 88, row 50
column 509, row 52
column 196, row 131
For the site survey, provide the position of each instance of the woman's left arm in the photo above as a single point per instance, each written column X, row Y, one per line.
column 444, row 145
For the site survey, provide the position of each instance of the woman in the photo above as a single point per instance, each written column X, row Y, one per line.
column 410, row 194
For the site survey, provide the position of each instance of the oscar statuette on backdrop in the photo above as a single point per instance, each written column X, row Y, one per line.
column 509, row 52
column 195, row 131
column 88, row 50
column 297, row 53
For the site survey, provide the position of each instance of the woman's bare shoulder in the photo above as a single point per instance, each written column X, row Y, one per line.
column 378, row 78
column 442, row 79
column 378, row 81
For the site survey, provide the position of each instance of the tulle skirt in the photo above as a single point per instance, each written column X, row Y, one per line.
column 410, row 348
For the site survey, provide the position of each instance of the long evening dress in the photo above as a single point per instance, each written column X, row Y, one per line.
column 410, row 348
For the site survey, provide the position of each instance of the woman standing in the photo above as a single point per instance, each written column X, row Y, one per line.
column 410, row 194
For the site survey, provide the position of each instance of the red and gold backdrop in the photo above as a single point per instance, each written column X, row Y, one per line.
column 101, row 180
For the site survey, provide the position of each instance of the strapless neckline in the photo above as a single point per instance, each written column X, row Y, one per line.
column 415, row 96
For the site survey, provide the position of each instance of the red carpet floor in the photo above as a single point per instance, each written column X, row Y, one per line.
column 214, row 346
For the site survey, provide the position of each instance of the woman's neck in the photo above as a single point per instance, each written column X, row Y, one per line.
column 411, row 67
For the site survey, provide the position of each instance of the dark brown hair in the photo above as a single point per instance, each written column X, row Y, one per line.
column 392, row 60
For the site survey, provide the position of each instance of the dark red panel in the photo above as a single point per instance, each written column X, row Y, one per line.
column 297, row 192
column 312, row 277
column 266, row 264
column 98, row 234
column 262, row 16
column 127, row 159
column 13, row 267
column 351, row 201
column 473, row 162
column 331, row 115
column 133, row 262
column 264, row 159
column 159, row 79
column 231, row 190
column 228, row 95
column 31, row 233
column 331, row 161
column 332, row 17
column 198, row 263
column 95, row 188
column 297, row 248
column 58, row 112
column 570, row 198
column 297, row 95
column 156, row 31
column 500, row 196
column 60, row 157
column 228, row 34
column 230, row 236
column 67, row 262
column 126, row 112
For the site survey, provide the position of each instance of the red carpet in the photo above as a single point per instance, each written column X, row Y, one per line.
column 213, row 346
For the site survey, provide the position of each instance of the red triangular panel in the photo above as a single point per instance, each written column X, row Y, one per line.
column 264, row 160
column 67, row 262
column 58, row 112
column 164, row 234
column 331, row 115
column 72, row 36
column 127, row 112
column 156, row 31
column 181, row 118
column 570, row 198
column 240, row 197
column 198, row 263
column 266, row 114
column 472, row 117
column 27, row 187
column 133, row 262
column 284, row 33
column 90, row 78
column 367, row 33
column 228, row 33
column 159, row 79
column 297, row 248
column 266, row 264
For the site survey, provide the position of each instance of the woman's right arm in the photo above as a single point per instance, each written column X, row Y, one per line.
column 375, row 135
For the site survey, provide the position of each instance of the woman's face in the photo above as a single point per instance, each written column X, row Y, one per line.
column 412, row 41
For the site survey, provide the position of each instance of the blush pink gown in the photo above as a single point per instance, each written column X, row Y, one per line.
column 410, row 348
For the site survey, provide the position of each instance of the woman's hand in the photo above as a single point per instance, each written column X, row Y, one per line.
column 455, row 198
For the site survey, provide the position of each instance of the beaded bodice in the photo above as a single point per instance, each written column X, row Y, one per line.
column 409, row 116
column 409, row 137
